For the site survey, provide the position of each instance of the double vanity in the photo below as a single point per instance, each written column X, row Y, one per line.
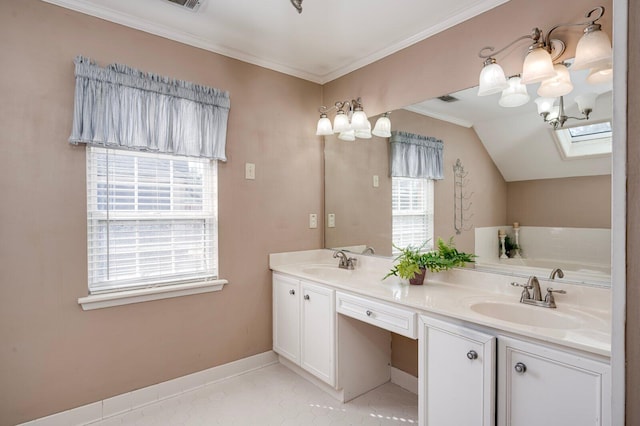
column 484, row 358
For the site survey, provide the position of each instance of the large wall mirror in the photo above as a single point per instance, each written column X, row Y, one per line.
column 556, row 184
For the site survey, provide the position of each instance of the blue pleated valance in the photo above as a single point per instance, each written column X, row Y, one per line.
column 416, row 156
column 121, row 107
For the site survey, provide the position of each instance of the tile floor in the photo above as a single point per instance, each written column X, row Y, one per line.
column 274, row 395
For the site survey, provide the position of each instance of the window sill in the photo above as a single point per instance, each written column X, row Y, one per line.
column 107, row 300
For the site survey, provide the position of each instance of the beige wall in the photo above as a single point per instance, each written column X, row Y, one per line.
column 53, row 355
column 579, row 202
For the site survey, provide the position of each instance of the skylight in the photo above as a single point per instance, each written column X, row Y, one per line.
column 590, row 132
column 586, row 141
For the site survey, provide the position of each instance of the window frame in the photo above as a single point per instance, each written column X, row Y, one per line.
column 427, row 214
column 141, row 288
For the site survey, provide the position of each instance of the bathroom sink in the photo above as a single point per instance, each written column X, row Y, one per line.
column 527, row 315
column 327, row 271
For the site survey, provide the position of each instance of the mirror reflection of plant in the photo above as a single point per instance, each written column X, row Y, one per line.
column 412, row 260
column 510, row 246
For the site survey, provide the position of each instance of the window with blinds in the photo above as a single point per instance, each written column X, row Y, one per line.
column 152, row 219
column 412, row 210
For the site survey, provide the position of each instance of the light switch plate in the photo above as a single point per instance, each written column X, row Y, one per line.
column 249, row 171
column 313, row 221
column 331, row 220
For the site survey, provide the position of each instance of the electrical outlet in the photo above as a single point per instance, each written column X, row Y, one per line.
column 331, row 220
column 376, row 181
column 313, row 221
column 249, row 171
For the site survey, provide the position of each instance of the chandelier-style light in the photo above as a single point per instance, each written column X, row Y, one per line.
column 556, row 116
column 351, row 122
column 593, row 52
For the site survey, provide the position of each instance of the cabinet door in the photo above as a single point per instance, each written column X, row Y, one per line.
column 456, row 375
column 543, row 386
column 286, row 317
column 318, row 332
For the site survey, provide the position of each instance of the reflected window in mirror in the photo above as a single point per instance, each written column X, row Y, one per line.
column 412, row 212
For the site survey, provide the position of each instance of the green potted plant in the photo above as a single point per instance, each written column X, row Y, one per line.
column 412, row 263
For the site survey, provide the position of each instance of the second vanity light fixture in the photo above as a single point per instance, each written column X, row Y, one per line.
column 351, row 122
column 593, row 52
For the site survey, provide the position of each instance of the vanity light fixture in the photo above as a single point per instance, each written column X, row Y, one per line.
column 592, row 52
column 515, row 94
column 351, row 122
column 556, row 116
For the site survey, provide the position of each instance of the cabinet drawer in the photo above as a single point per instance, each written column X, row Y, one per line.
column 397, row 320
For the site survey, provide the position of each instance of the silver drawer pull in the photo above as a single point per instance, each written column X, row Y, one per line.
column 369, row 313
column 520, row 367
column 472, row 355
column 306, row 297
column 292, row 292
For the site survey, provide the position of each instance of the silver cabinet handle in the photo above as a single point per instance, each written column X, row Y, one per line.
column 369, row 313
column 520, row 367
column 306, row 297
column 472, row 354
column 292, row 292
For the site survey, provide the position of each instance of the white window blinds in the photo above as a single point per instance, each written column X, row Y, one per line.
column 152, row 219
column 412, row 210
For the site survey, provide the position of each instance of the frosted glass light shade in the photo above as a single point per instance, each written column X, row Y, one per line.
column 364, row 134
column 324, row 126
column 586, row 102
column 492, row 80
column 545, row 105
column 601, row 75
column 515, row 95
column 340, row 122
column 537, row 66
column 382, row 128
column 359, row 121
column 556, row 86
column 593, row 50
column 347, row 135
column 554, row 113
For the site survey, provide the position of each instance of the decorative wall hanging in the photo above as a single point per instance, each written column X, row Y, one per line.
column 461, row 199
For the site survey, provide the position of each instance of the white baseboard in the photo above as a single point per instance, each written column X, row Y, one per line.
column 125, row 402
column 404, row 380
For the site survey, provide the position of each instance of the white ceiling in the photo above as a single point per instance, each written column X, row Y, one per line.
column 521, row 145
column 328, row 39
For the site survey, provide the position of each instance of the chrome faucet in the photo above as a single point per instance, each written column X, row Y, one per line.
column 535, row 285
column 535, row 298
column 345, row 262
column 369, row 250
column 556, row 272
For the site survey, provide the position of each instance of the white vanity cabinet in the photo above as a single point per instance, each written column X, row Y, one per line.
column 538, row 385
column 304, row 325
column 286, row 317
column 456, row 375
column 317, row 334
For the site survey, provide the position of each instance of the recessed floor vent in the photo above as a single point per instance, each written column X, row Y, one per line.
column 448, row 98
column 192, row 5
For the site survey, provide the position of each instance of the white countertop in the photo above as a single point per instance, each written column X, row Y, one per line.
column 453, row 293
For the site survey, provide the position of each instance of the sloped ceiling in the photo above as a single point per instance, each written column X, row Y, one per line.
column 521, row 145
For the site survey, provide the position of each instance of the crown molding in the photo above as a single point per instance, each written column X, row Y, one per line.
column 147, row 26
